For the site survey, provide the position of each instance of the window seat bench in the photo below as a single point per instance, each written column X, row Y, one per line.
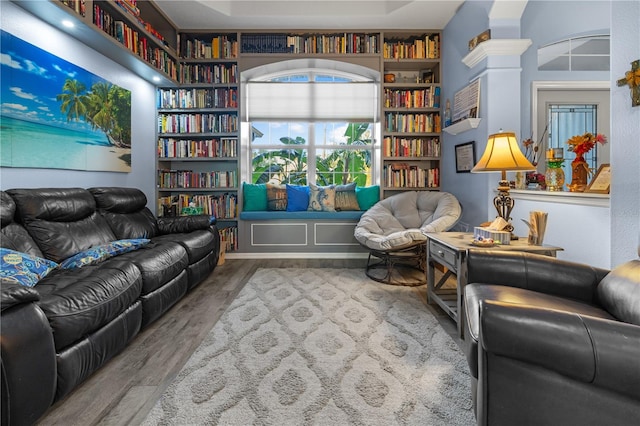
column 300, row 233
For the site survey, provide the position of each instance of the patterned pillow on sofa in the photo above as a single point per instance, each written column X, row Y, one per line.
column 322, row 198
column 103, row 252
column 23, row 268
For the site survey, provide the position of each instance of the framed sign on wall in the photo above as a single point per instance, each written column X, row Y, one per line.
column 465, row 157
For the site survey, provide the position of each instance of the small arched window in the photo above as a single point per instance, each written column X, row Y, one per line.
column 588, row 53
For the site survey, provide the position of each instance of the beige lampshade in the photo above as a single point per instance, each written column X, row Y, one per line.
column 502, row 154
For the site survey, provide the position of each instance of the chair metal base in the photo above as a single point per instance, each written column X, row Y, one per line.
column 405, row 266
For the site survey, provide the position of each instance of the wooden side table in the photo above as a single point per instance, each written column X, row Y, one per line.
column 449, row 249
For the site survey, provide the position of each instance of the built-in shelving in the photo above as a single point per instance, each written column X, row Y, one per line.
column 198, row 133
column 411, row 109
column 495, row 47
column 132, row 41
column 462, row 126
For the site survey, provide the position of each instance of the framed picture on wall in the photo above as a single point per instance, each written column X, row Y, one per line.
column 465, row 157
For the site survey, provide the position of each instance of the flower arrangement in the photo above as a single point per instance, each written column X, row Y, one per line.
column 581, row 144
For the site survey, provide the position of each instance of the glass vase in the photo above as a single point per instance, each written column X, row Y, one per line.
column 554, row 176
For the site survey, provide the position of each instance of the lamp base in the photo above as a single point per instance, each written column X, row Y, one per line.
column 504, row 205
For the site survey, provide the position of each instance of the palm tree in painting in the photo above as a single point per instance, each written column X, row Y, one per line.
column 106, row 107
column 74, row 100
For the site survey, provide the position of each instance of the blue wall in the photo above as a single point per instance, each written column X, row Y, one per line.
column 25, row 26
column 544, row 22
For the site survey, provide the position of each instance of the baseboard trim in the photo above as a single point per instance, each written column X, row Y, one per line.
column 296, row 255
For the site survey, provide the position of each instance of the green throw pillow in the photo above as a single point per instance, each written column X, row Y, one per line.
column 255, row 197
column 367, row 196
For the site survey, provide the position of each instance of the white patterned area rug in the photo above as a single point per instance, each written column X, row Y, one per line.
column 321, row 347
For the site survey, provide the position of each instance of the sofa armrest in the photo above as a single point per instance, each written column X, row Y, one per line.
column 28, row 357
column 534, row 272
column 592, row 350
column 182, row 224
column 12, row 294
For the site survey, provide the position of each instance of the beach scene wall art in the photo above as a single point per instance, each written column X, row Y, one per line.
column 57, row 115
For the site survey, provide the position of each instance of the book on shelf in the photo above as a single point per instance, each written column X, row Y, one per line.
column 189, row 179
column 404, row 175
column 171, row 148
column 411, row 147
column 223, row 206
column 426, row 46
column 198, row 123
column 412, row 123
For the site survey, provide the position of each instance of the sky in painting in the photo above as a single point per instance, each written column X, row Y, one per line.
column 31, row 80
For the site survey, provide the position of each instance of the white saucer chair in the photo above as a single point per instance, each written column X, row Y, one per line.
column 395, row 232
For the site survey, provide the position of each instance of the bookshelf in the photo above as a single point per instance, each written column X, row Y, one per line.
column 134, row 34
column 198, row 129
column 411, row 128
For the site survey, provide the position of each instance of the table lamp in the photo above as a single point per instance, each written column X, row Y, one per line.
column 502, row 155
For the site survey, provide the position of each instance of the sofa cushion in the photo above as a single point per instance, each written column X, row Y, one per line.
column 197, row 243
column 102, row 252
column 23, row 268
column 125, row 211
column 78, row 302
column 619, row 292
column 61, row 221
column 475, row 294
column 158, row 264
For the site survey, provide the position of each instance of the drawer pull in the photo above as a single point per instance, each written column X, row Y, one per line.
column 440, row 252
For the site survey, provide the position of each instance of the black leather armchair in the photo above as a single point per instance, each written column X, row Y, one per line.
column 551, row 341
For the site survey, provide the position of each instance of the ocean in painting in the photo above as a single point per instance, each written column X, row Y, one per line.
column 29, row 144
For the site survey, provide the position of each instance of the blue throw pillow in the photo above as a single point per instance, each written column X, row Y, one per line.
column 297, row 198
column 102, row 252
column 23, row 268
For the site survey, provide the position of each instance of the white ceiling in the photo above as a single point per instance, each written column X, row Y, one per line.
column 309, row 14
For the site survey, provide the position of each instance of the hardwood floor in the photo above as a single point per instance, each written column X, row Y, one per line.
column 124, row 390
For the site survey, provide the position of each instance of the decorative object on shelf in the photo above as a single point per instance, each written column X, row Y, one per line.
column 532, row 149
column 465, row 157
column 535, row 180
column 389, row 78
column 502, row 154
column 483, row 36
column 554, row 176
column 602, row 180
column 580, row 145
column 466, row 102
column 537, row 226
column 521, row 180
column 632, row 79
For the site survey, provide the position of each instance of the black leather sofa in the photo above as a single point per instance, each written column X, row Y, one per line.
column 57, row 333
column 551, row 342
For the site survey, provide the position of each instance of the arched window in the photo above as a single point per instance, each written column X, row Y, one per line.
column 310, row 123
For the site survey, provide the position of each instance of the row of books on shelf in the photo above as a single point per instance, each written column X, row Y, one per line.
column 407, row 147
column 425, row 47
column 198, row 123
column 77, row 5
column 208, row 73
column 336, row 43
column 223, row 206
column 403, row 175
column 205, row 148
column 417, row 98
column 135, row 42
column 217, row 47
column 131, row 7
column 174, row 179
column 197, row 98
column 229, row 237
column 412, row 123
